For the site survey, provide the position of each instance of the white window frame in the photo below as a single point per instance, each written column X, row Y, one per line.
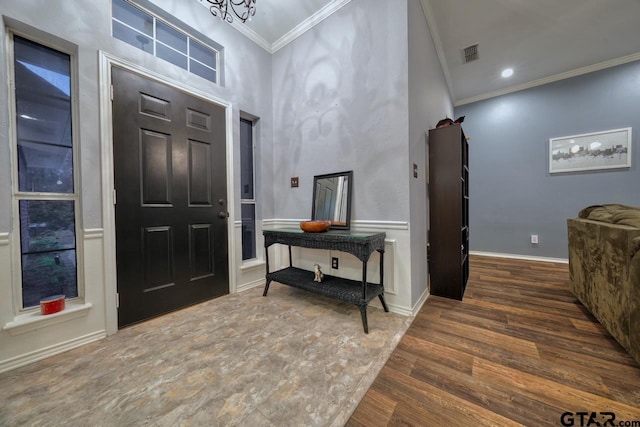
column 252, row 201
column 217, row 49
column 18, row 195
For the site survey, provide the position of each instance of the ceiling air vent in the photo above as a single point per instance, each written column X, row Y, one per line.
column 470, row 53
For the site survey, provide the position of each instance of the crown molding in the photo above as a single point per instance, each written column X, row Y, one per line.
column 296, row 32
column 308, row 24
column 252, row 35
column 554, row 78
column 243, row 29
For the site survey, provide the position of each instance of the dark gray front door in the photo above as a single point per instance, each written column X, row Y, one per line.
column 171, row 200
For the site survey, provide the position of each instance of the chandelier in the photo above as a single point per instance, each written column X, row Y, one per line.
column 243, row 9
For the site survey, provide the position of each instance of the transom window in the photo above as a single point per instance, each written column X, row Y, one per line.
column 46, row 195
column 152, row 35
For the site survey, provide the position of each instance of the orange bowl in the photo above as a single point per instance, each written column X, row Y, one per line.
column 315, row 226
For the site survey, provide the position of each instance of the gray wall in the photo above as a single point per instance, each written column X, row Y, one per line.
column 429, row 101
column 512, row 193
column 340, row 103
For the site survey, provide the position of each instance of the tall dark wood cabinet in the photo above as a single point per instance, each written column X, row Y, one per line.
column 448, row 211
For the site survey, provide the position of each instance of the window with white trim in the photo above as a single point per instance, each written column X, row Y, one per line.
column 151, row 34
column 45, row 194
column 247, row 190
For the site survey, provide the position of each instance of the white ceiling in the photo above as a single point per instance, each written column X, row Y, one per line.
column 542, row 40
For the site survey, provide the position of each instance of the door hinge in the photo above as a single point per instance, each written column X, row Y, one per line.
column 111, row 92
column 114, row 196
column 117, row 300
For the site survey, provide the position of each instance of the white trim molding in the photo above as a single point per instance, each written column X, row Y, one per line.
column 34, row 356
column 93, row 233
column 379, row 225
column 34, row 320
column 251, row 285
column 326, row 11
column 308, row 24
column 523, row 257
column 355, row 225
column 402, row 310
column 252, row 264
column 550, row 79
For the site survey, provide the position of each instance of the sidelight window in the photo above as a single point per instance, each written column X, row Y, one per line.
column 46, row 195
column 247, row 190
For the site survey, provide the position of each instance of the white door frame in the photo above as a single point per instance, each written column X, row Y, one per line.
column 106, row 141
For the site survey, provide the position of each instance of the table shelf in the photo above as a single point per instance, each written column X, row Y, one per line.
column 346, row 290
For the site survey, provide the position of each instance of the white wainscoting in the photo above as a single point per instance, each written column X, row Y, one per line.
column 26, row 336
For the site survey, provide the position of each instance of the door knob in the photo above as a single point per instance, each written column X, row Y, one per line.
column 222, row 214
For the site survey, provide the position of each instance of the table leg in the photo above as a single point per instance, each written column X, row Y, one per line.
column 363, row 313
column 266, row 259
column 364, row 281
column 384, row 304
column 381, row 296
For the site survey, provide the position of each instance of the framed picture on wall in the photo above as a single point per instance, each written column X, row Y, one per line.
column 610, row 149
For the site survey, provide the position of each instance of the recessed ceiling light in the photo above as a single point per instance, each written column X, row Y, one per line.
column 507, row 72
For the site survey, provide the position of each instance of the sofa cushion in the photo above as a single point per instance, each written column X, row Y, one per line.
column 613, row 214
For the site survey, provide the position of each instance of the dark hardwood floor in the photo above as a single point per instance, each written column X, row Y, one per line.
column 518, row 350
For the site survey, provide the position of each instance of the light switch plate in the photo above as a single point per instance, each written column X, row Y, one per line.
column 294, row 181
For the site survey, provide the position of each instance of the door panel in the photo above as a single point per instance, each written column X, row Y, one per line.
column 201, row 251
column 156, row 170
column 170, row 179
column 199, row 174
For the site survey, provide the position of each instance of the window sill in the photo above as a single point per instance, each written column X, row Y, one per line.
column 33, row 321
column 252, row 264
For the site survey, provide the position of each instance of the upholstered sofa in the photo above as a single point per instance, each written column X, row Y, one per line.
column 604, row 268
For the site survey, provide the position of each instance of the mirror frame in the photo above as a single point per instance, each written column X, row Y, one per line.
column 349, row 175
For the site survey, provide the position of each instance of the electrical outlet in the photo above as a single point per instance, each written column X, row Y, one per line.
column 294, row 181
column 534, row 239
column 334, row 262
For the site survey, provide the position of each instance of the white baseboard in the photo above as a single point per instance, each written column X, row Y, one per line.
column 251, row 285
column 397, row 309
column 43, row 353
column 524, row 257
column 402, row 310
column 418, row 305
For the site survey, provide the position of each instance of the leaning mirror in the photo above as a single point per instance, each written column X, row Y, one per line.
column 332, row 199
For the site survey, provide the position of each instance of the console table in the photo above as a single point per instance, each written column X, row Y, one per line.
column 355, row 292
